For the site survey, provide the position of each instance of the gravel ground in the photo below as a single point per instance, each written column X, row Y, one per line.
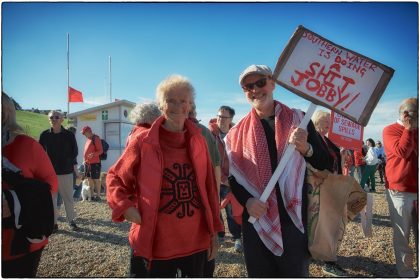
column 100, row 248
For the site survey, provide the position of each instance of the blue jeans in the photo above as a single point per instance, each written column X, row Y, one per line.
column 234, row 228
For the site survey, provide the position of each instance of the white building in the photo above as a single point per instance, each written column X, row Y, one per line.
column 110, row 122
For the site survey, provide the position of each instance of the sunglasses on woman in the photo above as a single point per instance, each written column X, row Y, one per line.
column 54, row 117
column 259, row 83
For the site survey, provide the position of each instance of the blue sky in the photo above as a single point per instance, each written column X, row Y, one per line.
column 210, row 43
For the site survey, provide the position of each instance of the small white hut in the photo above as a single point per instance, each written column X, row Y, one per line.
column 110, row 122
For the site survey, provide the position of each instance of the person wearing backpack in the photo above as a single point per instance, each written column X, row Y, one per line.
column 26, row 154
column 61, row 147
column 92, row 161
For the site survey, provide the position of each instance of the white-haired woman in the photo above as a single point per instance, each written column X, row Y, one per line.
column 174, row 205
column 321, row 122
column 143, row 115
column 24, row 153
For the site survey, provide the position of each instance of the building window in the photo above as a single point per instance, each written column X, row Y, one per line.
column 105, row 115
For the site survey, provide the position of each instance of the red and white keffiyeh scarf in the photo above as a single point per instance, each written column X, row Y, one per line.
column 249, row 160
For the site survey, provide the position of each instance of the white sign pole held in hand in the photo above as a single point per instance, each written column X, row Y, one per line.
column 284, row 160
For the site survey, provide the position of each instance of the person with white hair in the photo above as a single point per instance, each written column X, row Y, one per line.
column 401, row 144
column 164, row 184
column 142, row 115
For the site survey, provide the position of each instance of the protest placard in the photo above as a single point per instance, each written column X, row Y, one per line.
column 329, row 75
column 345, row 133
column 332, row 76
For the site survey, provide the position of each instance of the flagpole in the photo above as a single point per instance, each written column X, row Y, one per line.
column 68, row 73
column 110, row 81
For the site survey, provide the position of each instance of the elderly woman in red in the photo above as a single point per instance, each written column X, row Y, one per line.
column 165, row 186
column 26, row 154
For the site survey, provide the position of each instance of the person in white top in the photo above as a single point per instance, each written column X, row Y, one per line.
column 372, row 161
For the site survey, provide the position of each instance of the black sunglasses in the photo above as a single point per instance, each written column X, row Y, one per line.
column 54, row 117
column 223, row 117
column 260, row 83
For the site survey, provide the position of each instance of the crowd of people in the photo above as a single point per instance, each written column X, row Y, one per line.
column 176, row 174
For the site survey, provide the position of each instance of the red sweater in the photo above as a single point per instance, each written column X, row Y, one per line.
column 138, row 173
column 358, row 158
column 401, row 150
column 237, row 208
column 181, row 220
column 28, row 155
column 137, row 129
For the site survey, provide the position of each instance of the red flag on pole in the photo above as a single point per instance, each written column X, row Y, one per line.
column 75, row 95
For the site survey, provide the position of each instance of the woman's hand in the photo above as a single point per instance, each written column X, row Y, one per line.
column 256, row 208
column 132, row 215
column 214, row 247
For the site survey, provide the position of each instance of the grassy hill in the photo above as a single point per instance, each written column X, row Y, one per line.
column 33, row 124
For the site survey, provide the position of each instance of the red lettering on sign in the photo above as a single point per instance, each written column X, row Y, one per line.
column 328, row 84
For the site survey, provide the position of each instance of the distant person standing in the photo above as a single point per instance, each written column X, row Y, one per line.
column 359, row 163
column 143, row 115
column 220, row 127
column 92, row 162
column 61, row 147
column 372, row 161
column 381, row 156
column 401, row 145
column 212, row 147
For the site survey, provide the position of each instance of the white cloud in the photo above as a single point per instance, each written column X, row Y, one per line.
column 385, row 113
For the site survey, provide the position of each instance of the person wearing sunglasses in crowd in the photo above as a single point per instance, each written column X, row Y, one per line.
column 276, row 245
column 220, row 126
column 61, row 147
column 401, row 144
column 210, row 265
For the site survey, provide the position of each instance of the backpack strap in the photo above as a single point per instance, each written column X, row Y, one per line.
column 93, row 140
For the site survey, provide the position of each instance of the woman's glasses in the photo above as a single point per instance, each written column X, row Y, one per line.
column 260, row 84
column 54, row 117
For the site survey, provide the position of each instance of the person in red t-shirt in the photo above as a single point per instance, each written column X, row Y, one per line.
column 164, row 184
column 401, row 145
column 27, row 155
column 359, row 163
column 92, row 162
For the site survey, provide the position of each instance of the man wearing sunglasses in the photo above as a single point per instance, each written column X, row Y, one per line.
column 220, row 126
column 276, row 244
column 61, row 146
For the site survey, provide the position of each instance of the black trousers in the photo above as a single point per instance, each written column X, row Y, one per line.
column 262, row 263
column 190, row 266
column 23, row 267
